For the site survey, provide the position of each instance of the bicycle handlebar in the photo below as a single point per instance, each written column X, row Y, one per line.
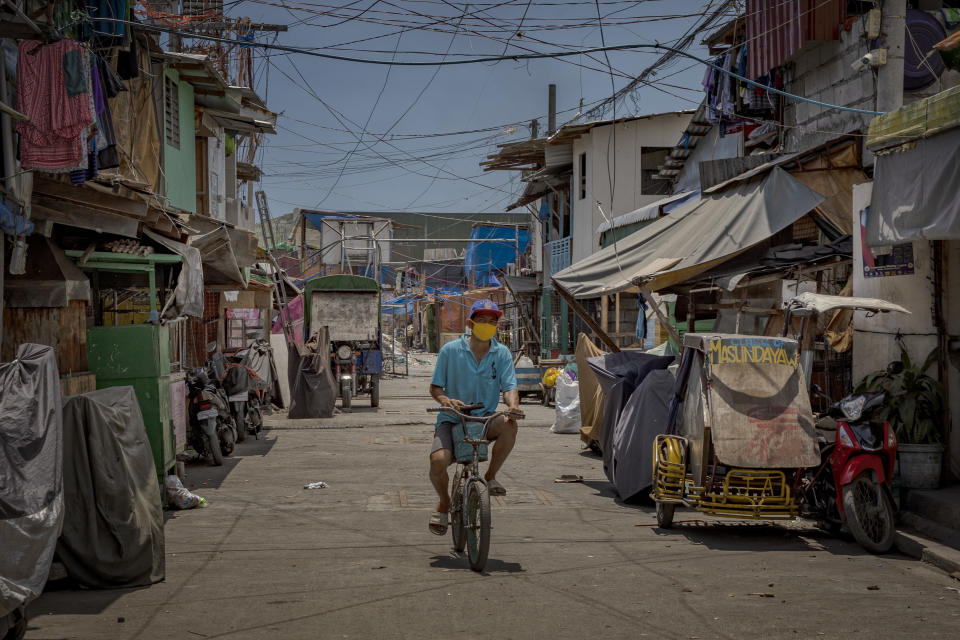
column 466, row 407
column 470, row 407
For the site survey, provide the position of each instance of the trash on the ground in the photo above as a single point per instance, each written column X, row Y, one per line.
column 567, row 477
column 316, row 485
column 762, row 595
column 873, row 587
column 568, row 406
column 179, row 497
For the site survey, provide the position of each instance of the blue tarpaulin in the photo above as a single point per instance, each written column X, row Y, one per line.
column 316, row 219
column 484, row 258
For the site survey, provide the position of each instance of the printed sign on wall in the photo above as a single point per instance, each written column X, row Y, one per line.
column 895, row 261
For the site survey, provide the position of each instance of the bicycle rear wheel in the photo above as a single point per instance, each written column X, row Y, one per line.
column 456, row 514
column 478, row 525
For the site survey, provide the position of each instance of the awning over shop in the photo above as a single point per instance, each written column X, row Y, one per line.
column 693, row 238
column 914, row 193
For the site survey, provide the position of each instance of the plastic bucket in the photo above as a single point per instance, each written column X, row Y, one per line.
column 920, row 465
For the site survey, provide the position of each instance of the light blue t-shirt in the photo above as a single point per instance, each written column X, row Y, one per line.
column 471, row 382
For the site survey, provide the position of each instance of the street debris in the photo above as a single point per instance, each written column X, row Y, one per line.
column 873, row 587
column 179, row 497
column 316, row 485
column 568, row 478
column 762, row 595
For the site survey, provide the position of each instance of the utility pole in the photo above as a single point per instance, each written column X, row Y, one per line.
column 890, row 75
column 552, row 110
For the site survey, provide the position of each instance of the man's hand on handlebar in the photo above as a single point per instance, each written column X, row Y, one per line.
column 452, row 403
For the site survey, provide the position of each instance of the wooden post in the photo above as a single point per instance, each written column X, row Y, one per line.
column 664, row 321
column 580, row 311
column 616, row 319
column 604, row 312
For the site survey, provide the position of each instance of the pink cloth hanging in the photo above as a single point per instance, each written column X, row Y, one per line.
column 54, row 138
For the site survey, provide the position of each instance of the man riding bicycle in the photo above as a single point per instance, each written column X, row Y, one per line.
column 473, row 369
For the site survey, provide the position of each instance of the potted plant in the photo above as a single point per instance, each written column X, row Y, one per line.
column 915, row 411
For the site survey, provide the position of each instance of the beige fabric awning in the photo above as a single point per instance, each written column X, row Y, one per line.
column 694, row 238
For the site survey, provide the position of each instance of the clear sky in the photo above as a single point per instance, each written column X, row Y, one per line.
column 363, row 137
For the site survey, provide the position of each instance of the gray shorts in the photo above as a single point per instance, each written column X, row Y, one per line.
column 443, row 437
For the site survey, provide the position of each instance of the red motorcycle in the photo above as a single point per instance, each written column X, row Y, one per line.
column 852, row 484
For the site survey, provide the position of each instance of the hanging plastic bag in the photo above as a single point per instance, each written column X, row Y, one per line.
column 568, row 406
column 550, row 377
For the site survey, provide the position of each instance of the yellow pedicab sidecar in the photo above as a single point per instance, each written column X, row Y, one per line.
column 743, row 430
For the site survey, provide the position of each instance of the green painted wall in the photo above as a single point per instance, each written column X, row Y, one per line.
column 180, row 165
column 607, row 237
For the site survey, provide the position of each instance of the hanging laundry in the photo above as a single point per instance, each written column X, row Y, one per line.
column 128, row 62
column 106, row 32
column 54, row 139
column 107, row 155
column 109, row 80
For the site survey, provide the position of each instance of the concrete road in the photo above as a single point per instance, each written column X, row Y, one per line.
column 269, row 559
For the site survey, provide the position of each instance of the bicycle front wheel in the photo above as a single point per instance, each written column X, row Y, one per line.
column 456, row 514
column 478, row 525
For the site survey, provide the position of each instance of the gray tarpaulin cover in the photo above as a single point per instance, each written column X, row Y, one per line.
column 187, row 298
column 259, row 357
column 313, row 391
column 220, row 264
column 643, row 418
column 31, row 478
column 619, row 374
column 113, row 525
column 693, row 238
column 914, row 193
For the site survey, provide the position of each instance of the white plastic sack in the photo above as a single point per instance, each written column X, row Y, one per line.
column 568, row 406
column 179, row 497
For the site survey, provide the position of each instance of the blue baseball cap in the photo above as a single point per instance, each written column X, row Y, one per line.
column 485, row 305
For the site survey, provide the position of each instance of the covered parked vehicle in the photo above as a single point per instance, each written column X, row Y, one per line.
column 742, row 442
column 349, row 306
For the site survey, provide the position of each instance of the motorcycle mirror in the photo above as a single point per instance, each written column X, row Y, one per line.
column 211, row 346
column 895, row 368
column 816, row 389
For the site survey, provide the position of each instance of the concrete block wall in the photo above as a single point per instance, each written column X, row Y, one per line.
column 823, row 71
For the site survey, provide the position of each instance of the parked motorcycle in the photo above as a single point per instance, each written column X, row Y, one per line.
column 345, row 372
column 212, row 430
column 238, row 383
column 852, row 484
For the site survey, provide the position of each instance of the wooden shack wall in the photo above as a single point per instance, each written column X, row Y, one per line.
column 63, row 328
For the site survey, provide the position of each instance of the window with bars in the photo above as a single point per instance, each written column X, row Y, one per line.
column 171, row 112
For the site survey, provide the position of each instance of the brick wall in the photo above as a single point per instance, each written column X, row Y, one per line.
column 823, row 71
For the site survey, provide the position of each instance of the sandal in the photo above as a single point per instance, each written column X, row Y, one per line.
column 438, row 523
column 495, row 488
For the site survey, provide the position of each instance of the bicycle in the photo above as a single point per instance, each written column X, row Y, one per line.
column 470, row 497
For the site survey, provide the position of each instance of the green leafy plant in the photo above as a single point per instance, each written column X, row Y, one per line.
column 915, row 407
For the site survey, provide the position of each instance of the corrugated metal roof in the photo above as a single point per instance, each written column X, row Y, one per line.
column 777, row 29
column 569, row 132
column 713, row 172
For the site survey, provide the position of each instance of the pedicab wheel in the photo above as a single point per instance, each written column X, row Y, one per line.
column 456, row 516
column 214, row 446
column 375, row 391
column 346, row 396
column 869, row 514
column 478, row 525
column 665, row 514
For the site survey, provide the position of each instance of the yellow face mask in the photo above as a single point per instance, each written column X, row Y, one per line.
column 483, row 331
